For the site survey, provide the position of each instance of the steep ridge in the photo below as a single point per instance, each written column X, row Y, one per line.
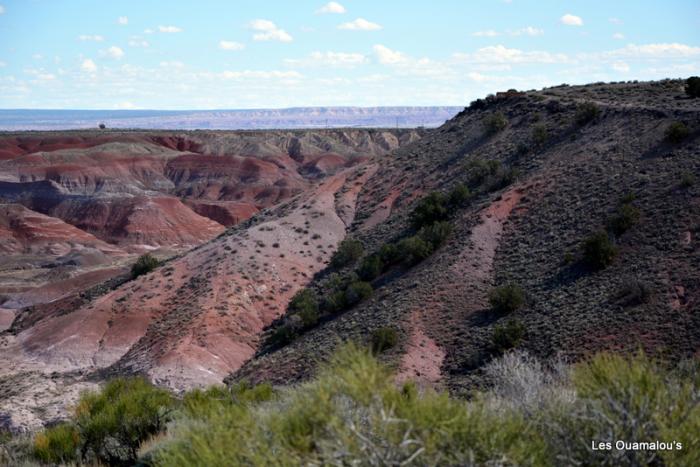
column 574, row 175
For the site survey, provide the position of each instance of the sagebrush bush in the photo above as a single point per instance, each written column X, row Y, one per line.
column 144, row 264
column 539, row 135
column 357, row 292
column 370, row 267
column 349, row 251
column 414, row 249
column 692, row 86
column 429, row 209
column 383, row 339
column 626, row 217
column 632, row 292
column 598, row 250
column 586, row 112
column 58, row 444
column 676, row 132
column 507, row 336
column 305, row 305
column 495, row 122
column 506, row 298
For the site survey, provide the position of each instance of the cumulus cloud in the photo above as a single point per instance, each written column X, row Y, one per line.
column 360, row 24
column 527, row 31
column 169, row 29
column 91, row 37
column 571, row 20
column 660, row 50
column 113, row 52
column 268, row 31
column 386, row 56
column 88, row 66
column 503, row 55
column 621, row 67
column 333, row 59
column 257, row 74
column 331, row 7
column 123, row 20
column 231, row 45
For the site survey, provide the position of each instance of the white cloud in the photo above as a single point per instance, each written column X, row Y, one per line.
column 230, row 45
column 502, row 54
column 148, row 31
column 527, row 31
column 174, row 64
column 91, row 37
column 260, row 74
column 487, row 33
column 126, row 105
column 360, row 24
column 621, row 67
column 478, row 77
column 2, row 9
column 386, row 56
column 661, row 50
column 615, row 20
column 138, row 42
column 168, row 29
column 123, row 20
column 268, row 31
column 331, row 7
column 113, row 52
column 333, row 59
column 618, row 36
column 88, row 66
column 571, row 20
column 37, row 57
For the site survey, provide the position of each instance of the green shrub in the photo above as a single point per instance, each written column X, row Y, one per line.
column 598, row 251
column 687, row 180
column 459, row 195
column 626, row 217
column 57, row 445
column 143, row 265
column 539, row 135
column 357, row 292
column 507, row 336
column 390, row 254
column 370, row 267
column 506, row 298
column 432, row 208
column 435, row 234
column 480, row 170
column 692, row 86
column 495, row 122
column 349, row 251
column 414, row 249
column 676, row 132
column 383, row 339
column 115, row 421
column 305, row 305
column 282, row 336
column 587, row 112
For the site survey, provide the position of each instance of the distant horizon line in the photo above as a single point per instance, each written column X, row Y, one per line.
column 240, row 109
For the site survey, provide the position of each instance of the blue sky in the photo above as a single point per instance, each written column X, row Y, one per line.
column 208, row 54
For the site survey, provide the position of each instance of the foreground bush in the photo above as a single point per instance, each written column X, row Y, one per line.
column 506, row 298
column 676, row 132
column 692, row 86
column 57, row 445
column 349, row 251
column 143, row 265
column 598, row 250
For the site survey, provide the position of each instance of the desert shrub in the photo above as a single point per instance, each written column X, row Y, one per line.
column 282, row 335
column 144, row 264
column 389, row 253
column 357, row 292
column 506, row 298
column 632, row 292
column 676, row 132
column 598, row 250
column 626, row 217
column 305, row 305
column 383, row 339
column 687, row 180
column 114, row 421
column 349, row 251
column 539, row 135
column 414, row 249
column 430, row 209
column 57, row 445
column 494, row 123
column 586, row 112
column 370, row 267
column 479, row 170
column 459, row 195
column 692, row 86
column 507, row 336
column 435, row 234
